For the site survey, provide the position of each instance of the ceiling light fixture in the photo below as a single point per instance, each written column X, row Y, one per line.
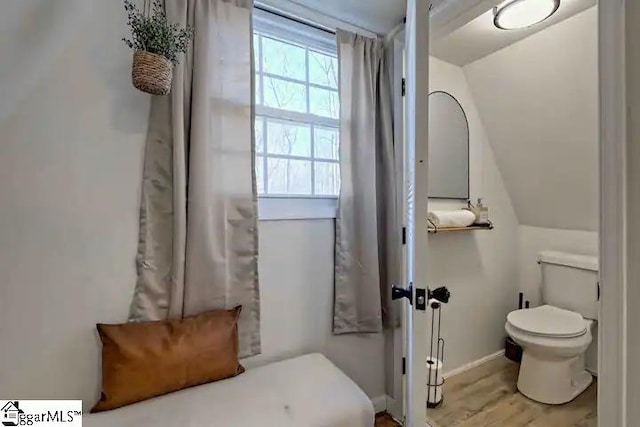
column 519, row 14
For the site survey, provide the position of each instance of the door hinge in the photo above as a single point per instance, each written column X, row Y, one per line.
column 404, row 86
column 404, row 366
column 404, row 235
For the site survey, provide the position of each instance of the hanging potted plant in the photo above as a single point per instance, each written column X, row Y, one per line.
column 156, row 44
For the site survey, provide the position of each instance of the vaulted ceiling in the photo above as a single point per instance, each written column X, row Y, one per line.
column 478, row 37
column 538, row 99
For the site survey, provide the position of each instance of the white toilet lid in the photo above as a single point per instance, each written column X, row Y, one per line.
column 548, row 321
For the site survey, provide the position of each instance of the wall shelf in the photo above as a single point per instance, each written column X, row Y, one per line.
column 434, row 230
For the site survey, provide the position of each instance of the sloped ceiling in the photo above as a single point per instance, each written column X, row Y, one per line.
column 480, row 37
column 538, row 99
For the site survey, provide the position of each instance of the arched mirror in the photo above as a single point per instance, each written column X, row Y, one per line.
column 448, row 148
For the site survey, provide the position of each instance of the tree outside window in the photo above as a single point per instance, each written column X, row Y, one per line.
column 297, row 113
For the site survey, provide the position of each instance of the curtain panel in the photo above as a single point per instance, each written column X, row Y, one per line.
column 198, row 244
column 367, row 252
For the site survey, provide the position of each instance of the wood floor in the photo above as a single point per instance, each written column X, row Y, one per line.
column 384, row 420
column 487, row 396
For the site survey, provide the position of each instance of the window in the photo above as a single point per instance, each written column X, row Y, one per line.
column 297, row 109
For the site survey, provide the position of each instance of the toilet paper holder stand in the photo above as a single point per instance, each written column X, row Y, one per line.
column 435, row 361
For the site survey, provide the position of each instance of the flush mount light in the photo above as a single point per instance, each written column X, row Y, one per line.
column 519, row 14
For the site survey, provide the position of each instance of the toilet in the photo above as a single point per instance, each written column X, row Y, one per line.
column 555, row 336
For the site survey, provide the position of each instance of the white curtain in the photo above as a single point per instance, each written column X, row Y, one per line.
column 198, row 243
column 367, row 227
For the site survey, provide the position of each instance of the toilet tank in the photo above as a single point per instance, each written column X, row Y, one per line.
column 570, row 281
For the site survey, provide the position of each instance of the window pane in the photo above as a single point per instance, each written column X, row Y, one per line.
column 283, row 59
column 326, row 142
column 289, row 176
column 323, row 69
column 290, row 159
column 285, row 95
column 326, row 179
column 260, row 174
column 259, row 135
column 288, row 138
column 324, row 103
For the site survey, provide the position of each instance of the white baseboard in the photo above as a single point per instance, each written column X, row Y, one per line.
column 474, row 364
column 380, row 403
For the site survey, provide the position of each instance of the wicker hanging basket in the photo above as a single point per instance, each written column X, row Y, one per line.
column 151, row 73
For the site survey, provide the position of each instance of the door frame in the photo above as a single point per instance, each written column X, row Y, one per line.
column 612, row 367
column 395, row 401
column 416, row 144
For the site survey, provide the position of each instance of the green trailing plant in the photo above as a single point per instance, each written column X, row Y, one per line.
column 151, row 32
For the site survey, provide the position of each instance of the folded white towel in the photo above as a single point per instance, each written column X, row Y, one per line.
column 452, row 219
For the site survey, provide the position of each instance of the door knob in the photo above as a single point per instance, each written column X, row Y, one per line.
column 441, row 294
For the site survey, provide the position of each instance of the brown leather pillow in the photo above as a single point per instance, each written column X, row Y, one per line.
column 143, row 360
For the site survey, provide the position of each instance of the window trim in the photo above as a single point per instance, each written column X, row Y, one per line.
column 294, row 116
column 274, row 25
column 291, row 208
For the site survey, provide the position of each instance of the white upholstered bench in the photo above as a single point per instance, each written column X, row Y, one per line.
column 307, row 391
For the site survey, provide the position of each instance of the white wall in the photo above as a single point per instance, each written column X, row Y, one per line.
column 26, row 53
column 296, row 279
column 70, row 169
column 479, row 268
column 70, row 166
column 538, row 99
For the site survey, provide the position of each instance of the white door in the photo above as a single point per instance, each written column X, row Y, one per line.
column 416, row 144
